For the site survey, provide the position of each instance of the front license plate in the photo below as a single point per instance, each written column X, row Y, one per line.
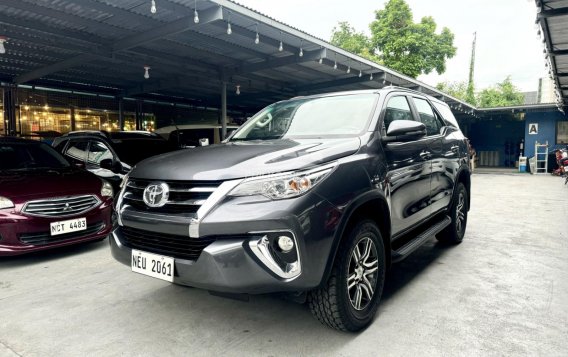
column 153, row 265
column 72, row 225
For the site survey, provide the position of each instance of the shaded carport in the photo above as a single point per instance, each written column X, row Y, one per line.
column 103, row 46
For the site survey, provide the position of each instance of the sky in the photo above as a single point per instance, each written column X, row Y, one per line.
column 507, row 43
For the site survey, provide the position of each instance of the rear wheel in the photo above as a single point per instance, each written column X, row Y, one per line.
column 350, row 298
column 453, row 234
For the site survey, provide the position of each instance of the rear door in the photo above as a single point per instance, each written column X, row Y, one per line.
column 409, row 169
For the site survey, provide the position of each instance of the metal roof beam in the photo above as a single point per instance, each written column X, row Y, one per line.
column 53, row 68
column 544, row 14
column 339, row 82
column 121, row 45
column 562, row 74
column 280, row 62
column 559, row 53
column 178, row 26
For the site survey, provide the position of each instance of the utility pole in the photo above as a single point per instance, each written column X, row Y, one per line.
column 470, row 95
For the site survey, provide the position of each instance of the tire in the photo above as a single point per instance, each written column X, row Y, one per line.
column 351, row 309
column 453, row 234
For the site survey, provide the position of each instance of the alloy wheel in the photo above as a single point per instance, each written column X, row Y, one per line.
column 460, row 213
column 362, row 273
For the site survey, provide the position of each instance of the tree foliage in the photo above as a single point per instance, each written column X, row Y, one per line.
column 399, row 43
column 457, row 90
column 346, row 37
column 501, row 95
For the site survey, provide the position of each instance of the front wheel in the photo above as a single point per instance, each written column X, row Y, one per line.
column 453, row 234
column 350, row 298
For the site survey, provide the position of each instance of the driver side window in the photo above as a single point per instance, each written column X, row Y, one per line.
column 397, row 109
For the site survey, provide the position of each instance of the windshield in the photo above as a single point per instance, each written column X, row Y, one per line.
column 310, row 117
column 132, row 151
column 25, row 155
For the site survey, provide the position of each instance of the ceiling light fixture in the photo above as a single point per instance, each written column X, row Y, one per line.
column 301, row 54
column 153, row 7
column 195, row 14
column 229, row 29
column 281, row 46
column 2, row 48
column 238, row 91
column 146, row 72
column 257, row 38
column 371, row 77
column 360, row 74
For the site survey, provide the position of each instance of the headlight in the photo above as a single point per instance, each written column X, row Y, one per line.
column 106, row 190
column 5, row 203
column 282, row 186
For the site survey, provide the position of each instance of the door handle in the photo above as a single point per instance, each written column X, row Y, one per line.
column 425, row 155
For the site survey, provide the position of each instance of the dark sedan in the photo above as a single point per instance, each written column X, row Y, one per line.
column 45, row 202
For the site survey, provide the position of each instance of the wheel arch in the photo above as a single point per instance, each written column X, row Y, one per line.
column 464, row 176
column 371, row 205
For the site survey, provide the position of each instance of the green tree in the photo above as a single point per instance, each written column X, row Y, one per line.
column 501, row 95
column 399, row 43
column 408, row 47
column 346, row 37
column 459, row 90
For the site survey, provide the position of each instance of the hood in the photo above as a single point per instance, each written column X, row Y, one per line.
column 20, row 186
column 235, row 160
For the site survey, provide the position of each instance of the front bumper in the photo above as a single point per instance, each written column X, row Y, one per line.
column 230, row 264
column 13, row 226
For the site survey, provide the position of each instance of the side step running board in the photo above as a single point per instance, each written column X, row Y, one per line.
column 415, row 243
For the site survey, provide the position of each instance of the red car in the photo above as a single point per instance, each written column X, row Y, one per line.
column 45, row 202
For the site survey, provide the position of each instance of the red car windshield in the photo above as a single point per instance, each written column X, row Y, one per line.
column 25, row 155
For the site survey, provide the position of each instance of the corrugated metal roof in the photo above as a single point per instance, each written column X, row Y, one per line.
column 107, row 43
column 552, row 23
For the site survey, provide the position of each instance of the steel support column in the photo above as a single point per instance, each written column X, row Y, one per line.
column 9, row 100
column 120, row 114
column 139, row 116
column 223, row 110
column 73, row 118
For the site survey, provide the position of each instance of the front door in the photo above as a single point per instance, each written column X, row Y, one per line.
column 409, row 170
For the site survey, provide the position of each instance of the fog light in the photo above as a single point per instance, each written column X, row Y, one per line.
column 285, row 243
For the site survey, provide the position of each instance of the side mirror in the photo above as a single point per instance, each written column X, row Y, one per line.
column 109, row 164
column 405, row 130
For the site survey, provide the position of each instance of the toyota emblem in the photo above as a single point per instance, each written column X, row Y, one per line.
column 156, row 194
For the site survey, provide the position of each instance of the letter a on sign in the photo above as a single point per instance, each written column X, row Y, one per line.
column 533, row 129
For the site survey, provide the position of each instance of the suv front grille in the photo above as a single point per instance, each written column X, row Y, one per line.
column 185, row 196
column 61, row 207
column 43, row 238
column 182, row 247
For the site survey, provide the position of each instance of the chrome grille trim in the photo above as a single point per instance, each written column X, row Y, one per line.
column 54, row 207
column 185, row 198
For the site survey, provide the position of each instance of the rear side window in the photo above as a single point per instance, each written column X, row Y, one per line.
column 397, row 109
column 447, row 114
column 98, row 152
column 428, row 117
column 77, row 150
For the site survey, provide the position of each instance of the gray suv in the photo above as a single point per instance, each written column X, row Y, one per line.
column 316, row 196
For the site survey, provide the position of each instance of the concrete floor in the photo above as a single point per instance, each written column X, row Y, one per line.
column 503, row 291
